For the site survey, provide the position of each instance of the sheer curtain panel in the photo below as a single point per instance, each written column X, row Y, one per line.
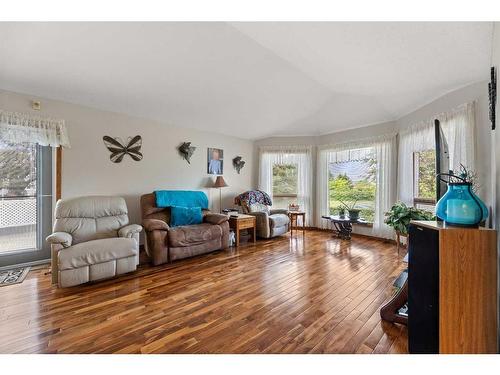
column 459, row 130
column 383, row 149
column 269, row 156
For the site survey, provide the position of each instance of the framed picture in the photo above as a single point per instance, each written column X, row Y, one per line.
column 215, row 161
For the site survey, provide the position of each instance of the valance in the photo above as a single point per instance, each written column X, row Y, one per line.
column 25, row 128
column 357, row 144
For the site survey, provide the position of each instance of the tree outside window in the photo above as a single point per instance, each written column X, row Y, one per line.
column 285, row 185
column 424, row 172
column 353, row 181
column 17, row 170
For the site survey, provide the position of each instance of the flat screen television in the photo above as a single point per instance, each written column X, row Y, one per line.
column 442, row 159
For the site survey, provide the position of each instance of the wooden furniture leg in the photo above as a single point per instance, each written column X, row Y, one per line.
column 237, row 234
column 398, row 241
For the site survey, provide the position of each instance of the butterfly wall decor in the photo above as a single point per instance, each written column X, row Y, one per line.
column 119, row 150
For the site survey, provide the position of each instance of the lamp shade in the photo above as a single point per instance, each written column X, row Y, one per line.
column 219, row 182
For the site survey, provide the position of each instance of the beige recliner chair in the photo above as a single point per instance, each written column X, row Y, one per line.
column 270, row 222
column 92, row 240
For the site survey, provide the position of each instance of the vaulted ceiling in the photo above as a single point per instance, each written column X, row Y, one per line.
column 251, row 80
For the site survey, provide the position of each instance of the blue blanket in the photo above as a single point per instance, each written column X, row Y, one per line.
column 185, row 216
column 182, row 198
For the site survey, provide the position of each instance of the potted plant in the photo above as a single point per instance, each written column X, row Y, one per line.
column 341, row 211
column 400, row 215
column 350, row 207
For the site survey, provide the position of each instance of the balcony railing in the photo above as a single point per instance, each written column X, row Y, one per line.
column 18, row 217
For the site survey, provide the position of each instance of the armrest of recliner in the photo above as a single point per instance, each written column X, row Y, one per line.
column 275, row 211
column 215, row 219
column 154, row 224
column 129, row 230
column 260, row 217
column 62, row 238
column 262, row 223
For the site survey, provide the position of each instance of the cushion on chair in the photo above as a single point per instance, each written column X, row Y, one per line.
column 278, row 220
column 216, row 219
column 96, row 251
column 258, row 207
column 193, row 234
column 91, row 218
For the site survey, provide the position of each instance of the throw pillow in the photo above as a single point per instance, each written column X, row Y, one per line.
column 259, row 207
column 185, row 216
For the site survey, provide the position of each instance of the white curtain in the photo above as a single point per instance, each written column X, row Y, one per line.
column 386, row 188
column 383, row 148
column 24, row 128
column 297, row 155
column 458, row 127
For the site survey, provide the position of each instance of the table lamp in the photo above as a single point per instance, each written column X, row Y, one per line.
column 220, row 183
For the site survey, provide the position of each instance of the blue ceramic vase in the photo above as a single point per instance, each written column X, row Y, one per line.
column 460, row 206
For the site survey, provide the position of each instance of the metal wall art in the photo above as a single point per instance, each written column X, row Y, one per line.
column 186, row 151
column 238, row 163
column 492, row 95
column 118, row 149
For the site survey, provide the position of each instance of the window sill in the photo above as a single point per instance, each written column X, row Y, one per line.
column 367, row 224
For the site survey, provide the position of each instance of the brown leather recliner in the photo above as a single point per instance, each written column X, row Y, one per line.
column 166, row 244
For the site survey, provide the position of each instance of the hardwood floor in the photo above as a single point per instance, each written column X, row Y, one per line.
column 311, row 294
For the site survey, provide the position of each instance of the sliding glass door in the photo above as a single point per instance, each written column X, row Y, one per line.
column 25, row 202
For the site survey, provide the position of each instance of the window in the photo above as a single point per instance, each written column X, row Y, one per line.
column 25, row 199
column 285, row 173
column 352, row 177
column 18, row 208
column 424, row 179
column 285, row 185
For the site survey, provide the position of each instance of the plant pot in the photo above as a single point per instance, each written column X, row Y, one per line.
column 354, row 214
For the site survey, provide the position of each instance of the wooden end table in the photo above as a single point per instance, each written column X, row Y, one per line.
column 293, row 215
column 237, row 223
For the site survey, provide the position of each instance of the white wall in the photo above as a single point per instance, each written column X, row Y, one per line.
column 495, row 159
column 479, row 93
column 495, row 144
column 87, row 169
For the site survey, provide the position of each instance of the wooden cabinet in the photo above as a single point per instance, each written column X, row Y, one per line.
column 452, row 289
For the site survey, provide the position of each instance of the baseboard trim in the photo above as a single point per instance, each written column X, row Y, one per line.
column 354, row 234
column 30, row 264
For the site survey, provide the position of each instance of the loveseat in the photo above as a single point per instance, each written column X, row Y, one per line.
column 166, row 243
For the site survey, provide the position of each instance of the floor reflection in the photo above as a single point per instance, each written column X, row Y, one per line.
column 342, row 249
